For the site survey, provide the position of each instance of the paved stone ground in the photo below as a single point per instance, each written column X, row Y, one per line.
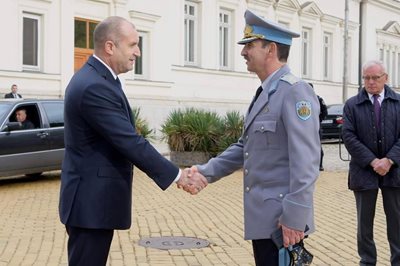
column 31, row 234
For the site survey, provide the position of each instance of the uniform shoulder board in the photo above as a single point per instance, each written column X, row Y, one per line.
column 290, row 78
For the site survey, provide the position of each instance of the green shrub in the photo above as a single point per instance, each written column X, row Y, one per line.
column 233, row 129
column 142, row 126
column 199, row 130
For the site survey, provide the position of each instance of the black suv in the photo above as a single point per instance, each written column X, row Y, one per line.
column 37, row 149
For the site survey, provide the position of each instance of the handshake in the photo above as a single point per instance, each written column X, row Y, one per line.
column 191, row 180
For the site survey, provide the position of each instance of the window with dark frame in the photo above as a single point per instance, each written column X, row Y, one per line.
column 224, row 38
column 84, row 33
column 83, row 41
column 190, row 33
column 30, row 40
column 139, row 60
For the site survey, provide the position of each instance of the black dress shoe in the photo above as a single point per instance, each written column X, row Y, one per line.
column 321, row 168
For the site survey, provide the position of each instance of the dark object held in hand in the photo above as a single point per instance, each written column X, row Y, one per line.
column 296, row 255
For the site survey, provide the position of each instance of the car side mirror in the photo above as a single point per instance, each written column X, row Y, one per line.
column 11, row 126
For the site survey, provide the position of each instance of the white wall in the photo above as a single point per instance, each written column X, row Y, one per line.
column 170, row 84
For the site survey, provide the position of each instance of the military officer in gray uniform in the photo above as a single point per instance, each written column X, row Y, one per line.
column 280, row 146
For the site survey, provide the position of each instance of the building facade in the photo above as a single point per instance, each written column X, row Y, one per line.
column 189, row 53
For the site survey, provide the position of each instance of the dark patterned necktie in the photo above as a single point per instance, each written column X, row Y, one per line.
column 258, row 92
column 119, row 83
column 377, row 111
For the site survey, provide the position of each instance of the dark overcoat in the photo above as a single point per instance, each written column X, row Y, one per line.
column 361, row 139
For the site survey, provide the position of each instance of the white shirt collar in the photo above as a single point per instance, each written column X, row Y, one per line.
column 381, row 96
column 107, row 66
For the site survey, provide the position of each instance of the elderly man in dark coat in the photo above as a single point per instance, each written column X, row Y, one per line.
column 371, row 133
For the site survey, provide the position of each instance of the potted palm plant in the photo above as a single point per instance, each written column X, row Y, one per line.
column 142, row 126
column 194, row 136
column 233, row 128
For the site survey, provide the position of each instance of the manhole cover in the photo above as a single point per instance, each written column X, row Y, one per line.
column 173, row 242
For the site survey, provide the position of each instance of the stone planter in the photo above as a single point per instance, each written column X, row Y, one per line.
column 189, row 158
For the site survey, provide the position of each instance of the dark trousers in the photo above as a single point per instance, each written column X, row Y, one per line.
column 321, row 158
column 88, row 247
column 366, row 203
column 265, row 252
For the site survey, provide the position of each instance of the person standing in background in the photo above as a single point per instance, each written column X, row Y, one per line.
column 323, row 112
column 371, row 134
column 13, row 93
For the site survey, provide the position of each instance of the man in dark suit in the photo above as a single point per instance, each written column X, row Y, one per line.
column 101, row 147
column 13, row 93
column 21, row 117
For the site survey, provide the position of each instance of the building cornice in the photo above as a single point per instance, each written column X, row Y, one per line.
column 331, row 19
column 392, row 28
column 143, row 16
column 287, row 5
column 259, row 3
column 391, row 5
column 311, row 10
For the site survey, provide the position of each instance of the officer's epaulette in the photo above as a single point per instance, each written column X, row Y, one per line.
column 290, row 78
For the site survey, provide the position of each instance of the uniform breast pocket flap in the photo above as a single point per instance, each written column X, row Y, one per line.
column 265, row 133
column 263, row 126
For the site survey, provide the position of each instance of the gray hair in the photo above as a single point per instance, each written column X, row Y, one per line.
column 108, row 30
column 374, row 63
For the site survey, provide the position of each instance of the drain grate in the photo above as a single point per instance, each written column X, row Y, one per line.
column 173, row 242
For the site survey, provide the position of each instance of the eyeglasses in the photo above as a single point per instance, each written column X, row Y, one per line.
column 374, row 78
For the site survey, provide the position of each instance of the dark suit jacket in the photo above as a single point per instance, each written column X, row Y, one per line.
column 27, row 124
column 10, row 95
column 100, row 147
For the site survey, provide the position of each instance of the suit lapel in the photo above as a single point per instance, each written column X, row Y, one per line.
column 262, row 101
column 106, row 74
column 127, row 106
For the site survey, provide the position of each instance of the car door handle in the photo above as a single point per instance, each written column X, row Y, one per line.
column 42, row 135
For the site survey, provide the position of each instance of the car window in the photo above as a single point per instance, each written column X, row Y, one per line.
column 55, row 113
column 32, row 114
column 3, row 109
column 335, row 109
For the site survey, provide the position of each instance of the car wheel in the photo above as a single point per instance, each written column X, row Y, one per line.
column 34, row 175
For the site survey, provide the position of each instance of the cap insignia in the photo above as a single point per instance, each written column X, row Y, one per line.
column 248, row 33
